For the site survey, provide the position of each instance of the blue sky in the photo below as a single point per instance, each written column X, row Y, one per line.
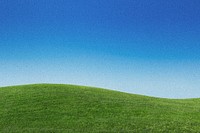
column 137, row 46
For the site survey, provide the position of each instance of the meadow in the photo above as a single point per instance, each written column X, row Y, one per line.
column 52, row 108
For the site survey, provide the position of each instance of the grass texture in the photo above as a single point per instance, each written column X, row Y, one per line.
column 53, row 108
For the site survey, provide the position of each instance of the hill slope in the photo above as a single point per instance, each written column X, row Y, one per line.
column 67, row 108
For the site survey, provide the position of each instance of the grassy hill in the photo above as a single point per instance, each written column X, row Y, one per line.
column 66, row 108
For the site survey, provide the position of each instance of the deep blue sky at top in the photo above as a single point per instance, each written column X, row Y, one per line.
column 88, row 30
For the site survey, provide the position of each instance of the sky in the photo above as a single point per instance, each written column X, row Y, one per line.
column 136, row 46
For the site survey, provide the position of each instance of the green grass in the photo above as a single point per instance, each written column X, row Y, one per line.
column 67, row 108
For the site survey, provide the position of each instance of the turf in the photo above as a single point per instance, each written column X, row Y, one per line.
column 66, row 108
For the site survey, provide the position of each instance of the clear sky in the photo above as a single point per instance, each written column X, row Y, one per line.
column 137, row 46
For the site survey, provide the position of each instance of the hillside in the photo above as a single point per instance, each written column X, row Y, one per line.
column 67, row 108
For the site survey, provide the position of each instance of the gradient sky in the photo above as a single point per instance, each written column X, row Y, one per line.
column 137, row 46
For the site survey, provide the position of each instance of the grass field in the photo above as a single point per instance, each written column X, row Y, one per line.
column 67, row 108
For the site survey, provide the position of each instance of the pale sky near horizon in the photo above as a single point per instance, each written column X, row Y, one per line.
column 136, row 46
